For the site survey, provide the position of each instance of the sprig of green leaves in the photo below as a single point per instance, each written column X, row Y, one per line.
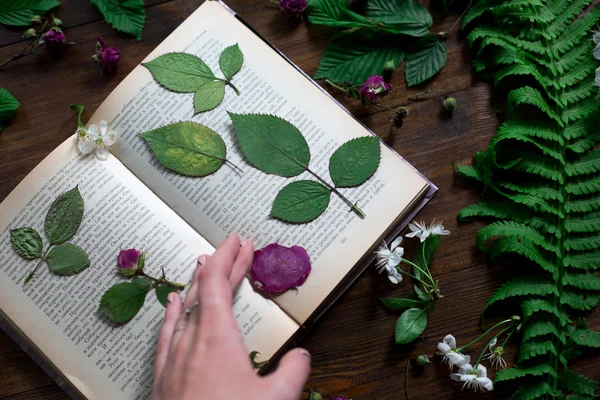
column 61, row 224
column 126, row 16
column 186, row 73
column 22, row 12
column 8, row 107
column 275, row 146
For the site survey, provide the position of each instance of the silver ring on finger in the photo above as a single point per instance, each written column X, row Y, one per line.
column 194, row 305
column 180, row 328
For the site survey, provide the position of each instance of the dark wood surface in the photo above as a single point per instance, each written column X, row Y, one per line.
column 353, row 345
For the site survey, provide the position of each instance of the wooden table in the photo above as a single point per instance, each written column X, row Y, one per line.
column 353, row 345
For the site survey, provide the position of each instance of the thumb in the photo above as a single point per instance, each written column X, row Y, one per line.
column 287, row 382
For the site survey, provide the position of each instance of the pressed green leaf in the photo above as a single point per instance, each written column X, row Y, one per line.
column 301, row 201
column 187, row 148
column 355, row 161
column 126, row 16
column 425, row 60
column 403, row 16
column 20, row 12
column 209, row 96
column 64, row 217
column 67, row 259
column 352, row 58
column 26, row 242
column 569, row 380
column 162, row 293
column 124, row 300
column 335, row 13
column 231, row 61
column 8, row 107
column 400, row 304
column 180, row 72
column 271, row 144
column 410, row 325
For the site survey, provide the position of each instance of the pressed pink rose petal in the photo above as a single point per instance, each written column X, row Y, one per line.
column 128, row 258
column 277, row 268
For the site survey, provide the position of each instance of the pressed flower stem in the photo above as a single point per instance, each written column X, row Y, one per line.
column 412, row 276
column 484, row 334
column 22, row 54
column 334, row 190
column 508, row 337
column 488, row 345
column 28, row 278
column 406, row 380
column 158, row 281
column 426, row 273
column 228, row 82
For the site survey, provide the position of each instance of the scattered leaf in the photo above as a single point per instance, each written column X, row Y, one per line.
column 27, row 243
column 271, row 144
column 162, row 292
column 180, row 72
column 425, row 61
column 126, row 16
column 209, row 96
column 124, row 300
column 231, row 61
column 187, row 148
column 393, row 303
column 64, row 217
column 335, row 13
column 20, row 12
column 403, row 16
column 355, row 161
column 67, row 259
column 410, row 325
column 301, row 201
column 8, row 107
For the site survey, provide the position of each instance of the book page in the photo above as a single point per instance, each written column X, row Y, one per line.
column 60, row 314
column 228, row 201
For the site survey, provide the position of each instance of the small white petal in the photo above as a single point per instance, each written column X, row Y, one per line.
column 481, row 371
column 493, row 343
column 456, row 377
column 486, row 383
column 465, row 369
column 110, row 137
column 596, row 52
column 396, row 243
column 85, row 145
column 102, row 153
column 94, row 132
column 102, row 127
column 444, row 348
column 458, row 359
column 450, row 341
column 395, row 257
column 596, row 37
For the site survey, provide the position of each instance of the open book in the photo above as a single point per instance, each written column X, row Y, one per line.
column 132, row 201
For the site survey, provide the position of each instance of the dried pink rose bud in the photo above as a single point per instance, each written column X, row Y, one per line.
column 130, row 261
column 107, row 56
column 293, row 8
column 277, row 268
column 374, row 88
column 55, row 38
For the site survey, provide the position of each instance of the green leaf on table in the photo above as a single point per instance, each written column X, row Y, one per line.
column 180, row 72
column 410, row 325
column 27, row 243
column 393, row 303
column 335, row 13
column 20, row 12
column 162, row 292
column 301, row 201
column 403, row 16
column 126, row 16
column 187, row 148
column 124, row 300
column 352, row 58
column 209, row 96
column 425, row 252
column 355, row 161
column 64, row 217
column 426, row 60
column 8, row 107
column 231, row 61
column 67, row 259
column 271, row 144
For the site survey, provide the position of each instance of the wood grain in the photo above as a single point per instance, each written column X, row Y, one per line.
column 352, row 346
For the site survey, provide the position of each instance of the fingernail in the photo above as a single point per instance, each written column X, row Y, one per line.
column 243, row 242
column 202, row 259
column 306, row 354
column 171, row 298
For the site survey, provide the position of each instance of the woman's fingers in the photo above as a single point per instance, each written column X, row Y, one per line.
column 242, row 263
column 288, row 380
column 172, row 312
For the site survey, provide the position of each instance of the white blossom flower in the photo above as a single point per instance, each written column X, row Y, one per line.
column 495, row 355
column 420, row 230
column 596, row 39
column 390, row 257
column 597, row 79
column 447, row 348
column 473, row 380
column 98, row 138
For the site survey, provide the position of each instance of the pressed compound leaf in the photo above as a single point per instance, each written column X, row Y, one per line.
column 301, row 201
column 126, row 16
column 355, row 161
column 20, row 12
column 231, row 61
column 26, row 242
column 187, row 148
column 425, row 60
column 162, row 293
column 271, row 144
column 67, row 259
column 410, row 325
column 123, row 301
column 180, row 72
column 209, row 96
column 8, row 107
column 64, row 217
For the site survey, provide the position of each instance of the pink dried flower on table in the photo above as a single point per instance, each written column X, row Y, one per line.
column 55, row 38
column 293, row 8
column 373, row 89
column 130, row 261
column 107, row 56
column 338, row 398
column 277, row 268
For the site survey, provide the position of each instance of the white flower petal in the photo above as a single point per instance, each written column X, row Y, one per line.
column 444, row 348
column 85, row 145
column 394, row 259
column 465, row 369
column 493, row 343
column 102, row 127
column 94, row 132
column 450, row 341
column 458, row 359
column 102, row 153
column 596, row 37
column 481, row 371
column 395, row 279
column 456, row 377
column 396, row 243
column 486, row 383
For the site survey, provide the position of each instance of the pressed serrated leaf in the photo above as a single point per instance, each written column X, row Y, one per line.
column 231, row 61
column 301, row 201
column 187, row 148
column 8, row 107
column 20, row 12
column 335, row 13
column 425, row 60
column 403, row 16
column 271, row 144
column 180, row 72
column 209, row 96
column 162, row 293
column 64, row 217
column 400, row 304
column 26, row 242
column 67, row 259
column 355, row 161
column 126, row 16
column 124, row 300
column 410, row 325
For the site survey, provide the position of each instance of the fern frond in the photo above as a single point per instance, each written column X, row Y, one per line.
column 569, row 380
column 560, row 21
column 533, row 391
column 579, row 301
column 512, row 229
column 591, row 203
column 587, row 261
column 587, row 242
column 521, row 372
column 589, row 223
column 533, row 97
column 584, row 186
column 586, row 338
column 520, row 287
column 533, row 306
column 588, row 281
column 535, row 348
column 537, row 328
column 571, row 36
column 586, row 164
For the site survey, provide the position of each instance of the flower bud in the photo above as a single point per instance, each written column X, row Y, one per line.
column 107, row 56
column 294, row 9
column 130, row 261
column 54, row 38
column 423, row 360
column 442, row 35
column 388, row 69
column 450, row 104
column 515, row 318
column 56, row 21
column 315, row 396
column 30, row 33
column 36, row 19
column 373, row 89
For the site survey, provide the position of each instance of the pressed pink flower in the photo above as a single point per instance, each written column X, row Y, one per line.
column 293, row 8
column 55, row 38
column 374, row 88
column 277, row 268
column 107, row 56
column 130, row 261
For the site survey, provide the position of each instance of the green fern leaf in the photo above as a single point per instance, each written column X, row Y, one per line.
column 586, row 338
column 520, row 372
column 532, row 129
column 569, row 380
column 537, row 328
column 579, row 301
column 512, row 229
column 589, row 223
column 583, row 205
column 533, row 391
column 520, row 287
column 575, row 32
column 562, row 20
column 488, row 32
column 533, row 97
column 523, row 247
column 585, row 261
column 581, row 109
column 587, row 242
column 584, row 186
column 532, row 349
column 573, row 57
column 468, row 172
column 587, row 281
column 533, row 306
column 586, row 164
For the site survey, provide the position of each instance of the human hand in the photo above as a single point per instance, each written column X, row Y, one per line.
column 200, row 353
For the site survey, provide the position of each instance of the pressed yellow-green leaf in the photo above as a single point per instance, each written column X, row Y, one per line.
column 231, row 61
